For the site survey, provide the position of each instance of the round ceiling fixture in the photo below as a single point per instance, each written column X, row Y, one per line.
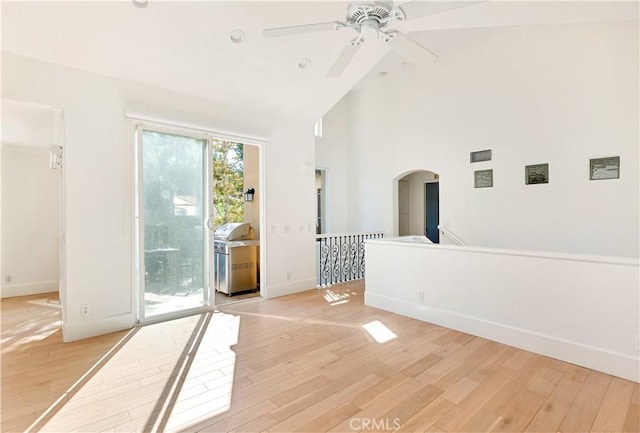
column 141, row 3
column 383, row 74
column 236, row 36
column 304, row 63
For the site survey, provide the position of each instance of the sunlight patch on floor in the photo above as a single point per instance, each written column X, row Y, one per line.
column 336, row 298
column 165, row 376
column 379, row 331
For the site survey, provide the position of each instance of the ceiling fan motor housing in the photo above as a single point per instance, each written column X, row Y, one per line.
column 364, row 12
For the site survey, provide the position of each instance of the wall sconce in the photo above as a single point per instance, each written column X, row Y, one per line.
column 248, row 196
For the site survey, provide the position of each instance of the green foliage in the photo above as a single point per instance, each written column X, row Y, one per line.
column 228, row 168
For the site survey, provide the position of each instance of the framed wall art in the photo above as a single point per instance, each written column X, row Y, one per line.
column 535, row 174
column 604, row 168
column 480, row 156
column 483, row 179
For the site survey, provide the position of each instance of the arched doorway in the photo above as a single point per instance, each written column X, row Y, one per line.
column 417, row 205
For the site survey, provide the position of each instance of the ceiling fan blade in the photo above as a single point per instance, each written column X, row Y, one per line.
column 345, row 57
column 412, row 50
column 420, row 8
column 305, row 28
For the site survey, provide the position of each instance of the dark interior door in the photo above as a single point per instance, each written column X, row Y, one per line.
column 432, row 211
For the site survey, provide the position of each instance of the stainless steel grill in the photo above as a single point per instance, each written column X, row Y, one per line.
column 235, row 258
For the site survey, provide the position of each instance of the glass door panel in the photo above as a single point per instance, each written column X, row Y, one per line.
column 174, row 230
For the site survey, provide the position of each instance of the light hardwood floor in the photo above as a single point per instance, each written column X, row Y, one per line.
column 296, row 363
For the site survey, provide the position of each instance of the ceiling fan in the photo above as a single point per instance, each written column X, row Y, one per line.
column 370, row 19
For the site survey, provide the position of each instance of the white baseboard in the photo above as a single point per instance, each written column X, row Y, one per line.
column 617, row 364
column 91, row 328
column 25, row 289
column 290, row 288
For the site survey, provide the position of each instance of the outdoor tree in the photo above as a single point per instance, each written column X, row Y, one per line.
column 228, row 169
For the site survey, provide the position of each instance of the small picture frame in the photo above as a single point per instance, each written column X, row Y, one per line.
column 536, row 174
column 604, row 168
column 483, row 179
column 480, row 156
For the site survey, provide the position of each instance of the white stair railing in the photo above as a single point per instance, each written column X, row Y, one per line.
column 448, row 233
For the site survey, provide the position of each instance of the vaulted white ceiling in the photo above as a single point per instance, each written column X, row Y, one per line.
column 185, row 47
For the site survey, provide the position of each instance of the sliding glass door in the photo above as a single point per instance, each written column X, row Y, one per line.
column 172, row 211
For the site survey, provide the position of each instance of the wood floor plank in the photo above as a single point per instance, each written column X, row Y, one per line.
column 427, row 416
column 555, row 407
column 584, row 409
column 547, row 381
column 412, row 404
column 519, row 413
column 466, row 366
column 375, row 409
column 331, row 418
column 295, row 420
column 482, row 421
column 299, row 391
column 324, row 392
column 615, row 406
column 459, row 390
column 632, row 423
column 527, row 374
column 464, row 410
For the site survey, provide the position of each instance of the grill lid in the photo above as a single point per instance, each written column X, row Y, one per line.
column 232, row 231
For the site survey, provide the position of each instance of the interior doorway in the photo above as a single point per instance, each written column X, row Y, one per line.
column 32, row 199
column 432, row 211
column 321, row 200
column 418, row 204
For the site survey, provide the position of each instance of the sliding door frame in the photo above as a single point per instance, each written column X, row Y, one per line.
column 139, row 238
column 136, row 127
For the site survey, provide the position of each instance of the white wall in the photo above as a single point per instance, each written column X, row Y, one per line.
column 98, row 184
column 251, row 177
column 332, row 155
column 290, row 209
column 559, row 94
column 30, row 198
column 580, row 309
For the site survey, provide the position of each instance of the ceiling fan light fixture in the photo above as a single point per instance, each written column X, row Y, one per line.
column 236, row 36
column 371, row 19
column 140, row 3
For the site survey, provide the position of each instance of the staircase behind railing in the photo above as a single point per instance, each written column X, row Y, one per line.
column 340, row 257
column 449, row 234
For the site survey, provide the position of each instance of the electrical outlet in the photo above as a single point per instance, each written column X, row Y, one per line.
column 84, row 310
column 8, row 278
column 288, row 276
